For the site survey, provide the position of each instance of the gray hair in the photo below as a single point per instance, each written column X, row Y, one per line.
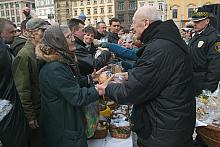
column 148, row 12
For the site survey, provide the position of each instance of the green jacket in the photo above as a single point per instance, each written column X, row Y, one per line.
column 62, row 98
column 26, row 73
column 18, row 44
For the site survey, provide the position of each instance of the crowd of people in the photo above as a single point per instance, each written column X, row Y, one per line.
column 49, row 73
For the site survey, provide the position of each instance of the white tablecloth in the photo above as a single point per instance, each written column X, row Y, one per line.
column 111, row 142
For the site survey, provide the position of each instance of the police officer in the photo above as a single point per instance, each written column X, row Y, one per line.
column 203, row 48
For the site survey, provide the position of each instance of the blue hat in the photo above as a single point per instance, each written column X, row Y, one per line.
column 201, row 14
column 82, row 16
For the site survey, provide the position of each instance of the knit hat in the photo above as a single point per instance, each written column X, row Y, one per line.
column 54, row 38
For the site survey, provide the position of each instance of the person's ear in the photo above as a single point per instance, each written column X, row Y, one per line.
column 146, row 23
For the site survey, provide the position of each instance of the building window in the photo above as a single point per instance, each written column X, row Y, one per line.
column 174, row 13
column 17, row 12
column 6, row 5
column 121, row 17
column 130, row 17
column 7, row 12
column 1, row 6
column 102, row 11
column 17, row 5
column 132, row 5
column 12, row 12
column 109, row 9
column 75, row 12
column 161, row 6
column 121, row 5
column 18, row 19
column 88, row 2
column 109, row 1
column 75, row 4
column 28, row 5
column 11, row 5
column 67, row 11
column 95, row 10
column 95, row 1
column 13, row 19
column 88, row 11
column 82, row 11
column 190, row 12
column 81, row 3
column 2, row 13
column 101, row 1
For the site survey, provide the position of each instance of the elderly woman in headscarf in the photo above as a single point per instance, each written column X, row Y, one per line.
column 62, row 94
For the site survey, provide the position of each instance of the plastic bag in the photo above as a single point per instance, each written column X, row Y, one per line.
column 5, row 108
column 91, row 113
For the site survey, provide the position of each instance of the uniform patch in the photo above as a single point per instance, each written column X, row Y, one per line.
column 200, row 44
column 217, row 46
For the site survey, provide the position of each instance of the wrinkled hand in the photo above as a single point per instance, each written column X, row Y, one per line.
column 95, row 75
column 33, row 124
column 101, row 87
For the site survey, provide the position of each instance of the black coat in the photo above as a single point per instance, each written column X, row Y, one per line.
column 112, row 37
column 99, row 35
column 205, row 59
column 160, row 87
column 86, row 58
column 13, row 128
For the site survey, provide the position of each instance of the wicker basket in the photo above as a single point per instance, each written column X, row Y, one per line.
column 114, row 131
column 99, row 134
column 210, row 135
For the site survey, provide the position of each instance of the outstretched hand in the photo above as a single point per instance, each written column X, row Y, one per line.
column 101, row 87
column 95, row 75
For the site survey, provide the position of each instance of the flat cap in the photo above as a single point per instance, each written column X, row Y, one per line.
column 35, row 23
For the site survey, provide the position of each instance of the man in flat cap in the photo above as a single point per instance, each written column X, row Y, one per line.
column 26, row 78
column 203, row 49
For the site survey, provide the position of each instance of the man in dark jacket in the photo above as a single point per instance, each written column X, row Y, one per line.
column 13, row 127
column 160, row 85
column 101, row 30
column 204, row 50
column 112, row 35
column 20, row 41
column 203, row 47
column 86, row 60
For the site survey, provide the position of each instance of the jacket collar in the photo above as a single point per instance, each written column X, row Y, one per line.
column 150, row 31
column 79, row 42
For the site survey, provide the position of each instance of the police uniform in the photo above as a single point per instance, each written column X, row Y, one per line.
column 204, row 48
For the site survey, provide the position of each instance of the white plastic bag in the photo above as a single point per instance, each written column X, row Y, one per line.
column 5, row 108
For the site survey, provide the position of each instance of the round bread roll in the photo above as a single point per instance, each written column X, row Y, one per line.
column 103, row 77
